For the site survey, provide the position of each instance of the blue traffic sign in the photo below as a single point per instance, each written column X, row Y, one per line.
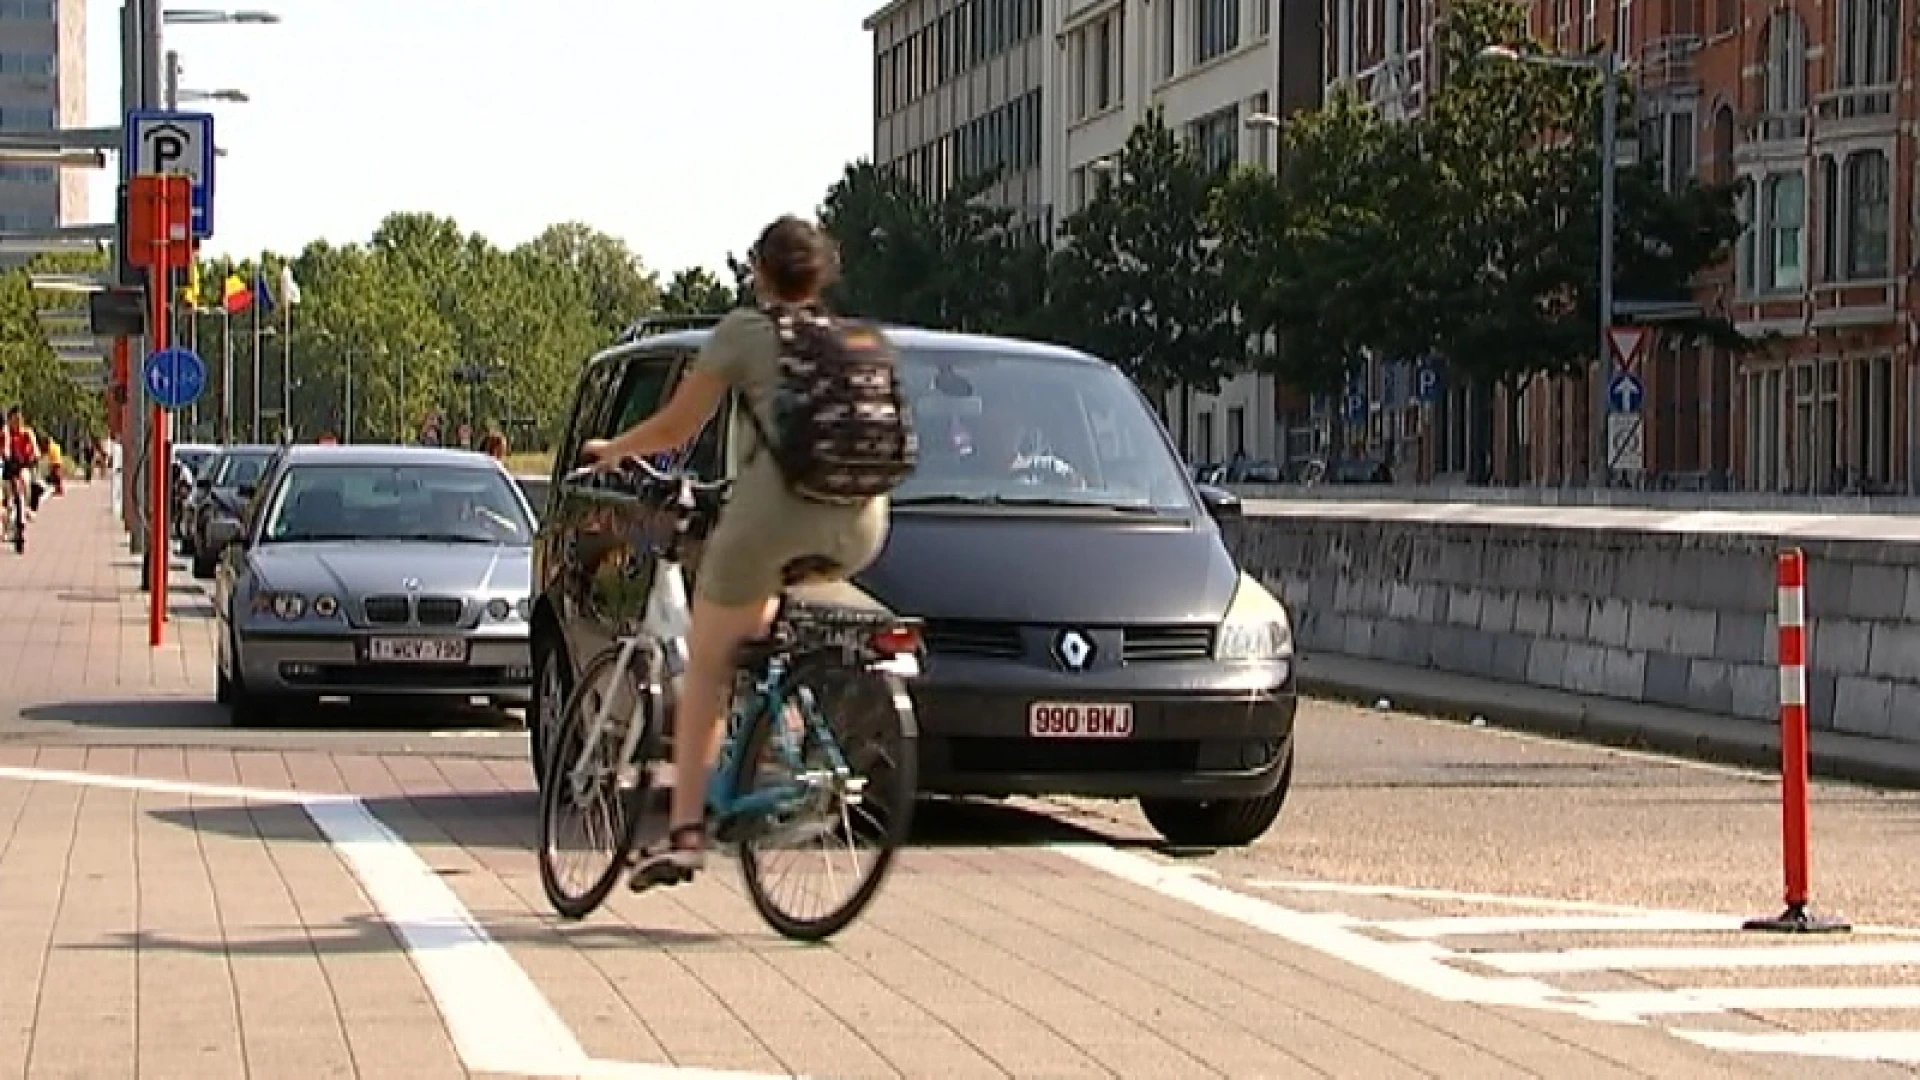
column 1624, row 392
column 1356, row 407
column 175, row 378
column 160, row 143
column 1428, row 383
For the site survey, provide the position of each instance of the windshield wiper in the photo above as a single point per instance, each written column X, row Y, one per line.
column 1077, row 504
column 947, row 499
column 448, row 538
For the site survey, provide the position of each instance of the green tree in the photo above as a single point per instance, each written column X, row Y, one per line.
column 696, row 291
column 1301, row 250
column 620, row 288
column 1138, row 277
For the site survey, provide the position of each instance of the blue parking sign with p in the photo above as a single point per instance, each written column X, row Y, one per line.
column 1427, row 382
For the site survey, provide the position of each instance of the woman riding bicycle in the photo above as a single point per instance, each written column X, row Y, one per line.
column 22, row 450
column 765, row 529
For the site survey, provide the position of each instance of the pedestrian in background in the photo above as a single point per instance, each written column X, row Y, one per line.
column 494, row 445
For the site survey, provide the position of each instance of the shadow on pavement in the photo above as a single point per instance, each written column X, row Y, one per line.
column 204, row 714
column 506, row 821
column 363, row 934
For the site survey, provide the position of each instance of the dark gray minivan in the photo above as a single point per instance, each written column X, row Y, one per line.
column 1087, row 632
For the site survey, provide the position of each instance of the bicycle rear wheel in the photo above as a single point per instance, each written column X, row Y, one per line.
column 597, row 801
column 847, row 834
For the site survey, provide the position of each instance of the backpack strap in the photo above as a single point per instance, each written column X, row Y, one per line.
column 781, row 316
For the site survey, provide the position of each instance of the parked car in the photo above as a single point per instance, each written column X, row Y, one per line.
column 210, row 518
column 188, row 460
column 375, row 572
column 1087, row 631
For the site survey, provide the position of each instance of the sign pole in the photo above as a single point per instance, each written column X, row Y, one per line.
column 161, row 483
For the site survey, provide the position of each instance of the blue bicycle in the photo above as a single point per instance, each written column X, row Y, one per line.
column 819, row 757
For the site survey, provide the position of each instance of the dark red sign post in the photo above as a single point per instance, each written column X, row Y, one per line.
column 159, row 238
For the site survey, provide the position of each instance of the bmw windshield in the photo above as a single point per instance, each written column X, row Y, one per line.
column 1002, row 428
column 443, row 504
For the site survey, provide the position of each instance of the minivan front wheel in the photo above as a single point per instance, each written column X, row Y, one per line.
column 1219, row 823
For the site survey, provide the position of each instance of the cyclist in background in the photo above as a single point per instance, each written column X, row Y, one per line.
column 22, row 450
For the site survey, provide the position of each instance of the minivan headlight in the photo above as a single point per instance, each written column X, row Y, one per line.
column 1256, row 629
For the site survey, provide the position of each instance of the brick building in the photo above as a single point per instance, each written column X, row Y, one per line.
column 1801, row 102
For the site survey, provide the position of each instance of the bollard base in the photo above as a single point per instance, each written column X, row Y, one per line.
column 1798, row 920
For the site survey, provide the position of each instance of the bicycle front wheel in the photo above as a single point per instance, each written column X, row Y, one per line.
column 590, row 803
column 831, row 840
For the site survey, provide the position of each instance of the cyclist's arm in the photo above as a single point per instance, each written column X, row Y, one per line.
column 723, row 363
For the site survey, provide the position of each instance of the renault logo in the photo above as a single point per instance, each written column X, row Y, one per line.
column 1073, row 649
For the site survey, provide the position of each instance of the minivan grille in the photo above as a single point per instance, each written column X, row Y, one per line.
column 967, row 637
column 1150, row 644
column 387, row 611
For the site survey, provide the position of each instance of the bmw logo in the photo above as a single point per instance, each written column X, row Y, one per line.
column 1073, row 649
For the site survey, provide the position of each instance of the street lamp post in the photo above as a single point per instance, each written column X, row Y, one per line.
column 1608, row 65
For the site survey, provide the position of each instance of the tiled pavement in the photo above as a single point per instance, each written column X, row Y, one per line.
column 200, row 922
column 73, row 622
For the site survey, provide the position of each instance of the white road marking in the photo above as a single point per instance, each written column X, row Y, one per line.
column 1690, row 1000
column 1404, row 892
column 1418, row 965
column 1889, row 1046
column 498, row 1019
column 1486, row 926
column 1421, row 964
column 1882, row 954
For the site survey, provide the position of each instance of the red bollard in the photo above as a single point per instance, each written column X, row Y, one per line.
column 1794, row 840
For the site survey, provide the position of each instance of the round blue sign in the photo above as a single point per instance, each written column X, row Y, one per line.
column 175, row 378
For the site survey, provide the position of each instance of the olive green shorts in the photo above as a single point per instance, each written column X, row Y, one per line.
column 755, row 542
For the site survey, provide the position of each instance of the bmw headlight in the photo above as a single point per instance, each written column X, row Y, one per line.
column 1256, row 629
column 286, row 605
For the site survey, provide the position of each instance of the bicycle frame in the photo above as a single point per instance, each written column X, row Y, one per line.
column 769, row 698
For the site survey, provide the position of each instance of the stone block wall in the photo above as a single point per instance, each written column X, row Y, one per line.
column 1674, row 618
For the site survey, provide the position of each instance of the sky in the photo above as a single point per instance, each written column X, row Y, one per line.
column 681, row 126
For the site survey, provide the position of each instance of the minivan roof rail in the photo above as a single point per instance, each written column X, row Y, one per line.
column 647, row 326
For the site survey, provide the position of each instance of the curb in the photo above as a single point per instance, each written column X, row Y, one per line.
column 1621, row 724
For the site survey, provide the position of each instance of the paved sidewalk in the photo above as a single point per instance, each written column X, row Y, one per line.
column 159, row 930
column 75, row 621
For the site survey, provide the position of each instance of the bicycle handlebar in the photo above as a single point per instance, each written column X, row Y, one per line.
column 647, row 471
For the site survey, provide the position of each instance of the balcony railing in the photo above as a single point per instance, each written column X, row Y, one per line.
column 1856, row 107
column 1773, row 126
column 1668, row 62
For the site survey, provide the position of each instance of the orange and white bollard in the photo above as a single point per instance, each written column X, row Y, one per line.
column 1795, row 843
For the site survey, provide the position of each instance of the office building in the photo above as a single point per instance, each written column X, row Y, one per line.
column 958, row 89
column 1209, row 66
column 1045, row 89
column 42, row 87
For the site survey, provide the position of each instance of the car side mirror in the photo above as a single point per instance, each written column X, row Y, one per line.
column 1221, row 503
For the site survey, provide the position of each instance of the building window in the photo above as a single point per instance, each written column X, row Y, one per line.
column 18, row 10
column 1785, row 209
column 1766, row 450
column 1169, row 20
column 1217, row 29
column 1216, row 137
column 40, row 64
column 1346, row 52
column 1746, row 276
column 1263, row 17
column 1099, row 53
column 1672, row 137
column 1265, row 137
column 1868, row 49
column 1870, row 459
column 1867, row 183
column 14, row 118
column 1784, row 93
column 29, row 175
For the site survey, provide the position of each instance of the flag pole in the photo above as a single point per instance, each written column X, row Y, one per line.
column 286, row 357
column 253, row 304
column 226, row 361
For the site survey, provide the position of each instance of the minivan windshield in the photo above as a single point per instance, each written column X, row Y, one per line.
column 998, row 427
column 445, row 504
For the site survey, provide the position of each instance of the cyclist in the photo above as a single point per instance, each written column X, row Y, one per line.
column 765, row 528
column 22, row 452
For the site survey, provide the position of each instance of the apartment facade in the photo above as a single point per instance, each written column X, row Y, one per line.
column 1810, row 107
column 42, row 87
